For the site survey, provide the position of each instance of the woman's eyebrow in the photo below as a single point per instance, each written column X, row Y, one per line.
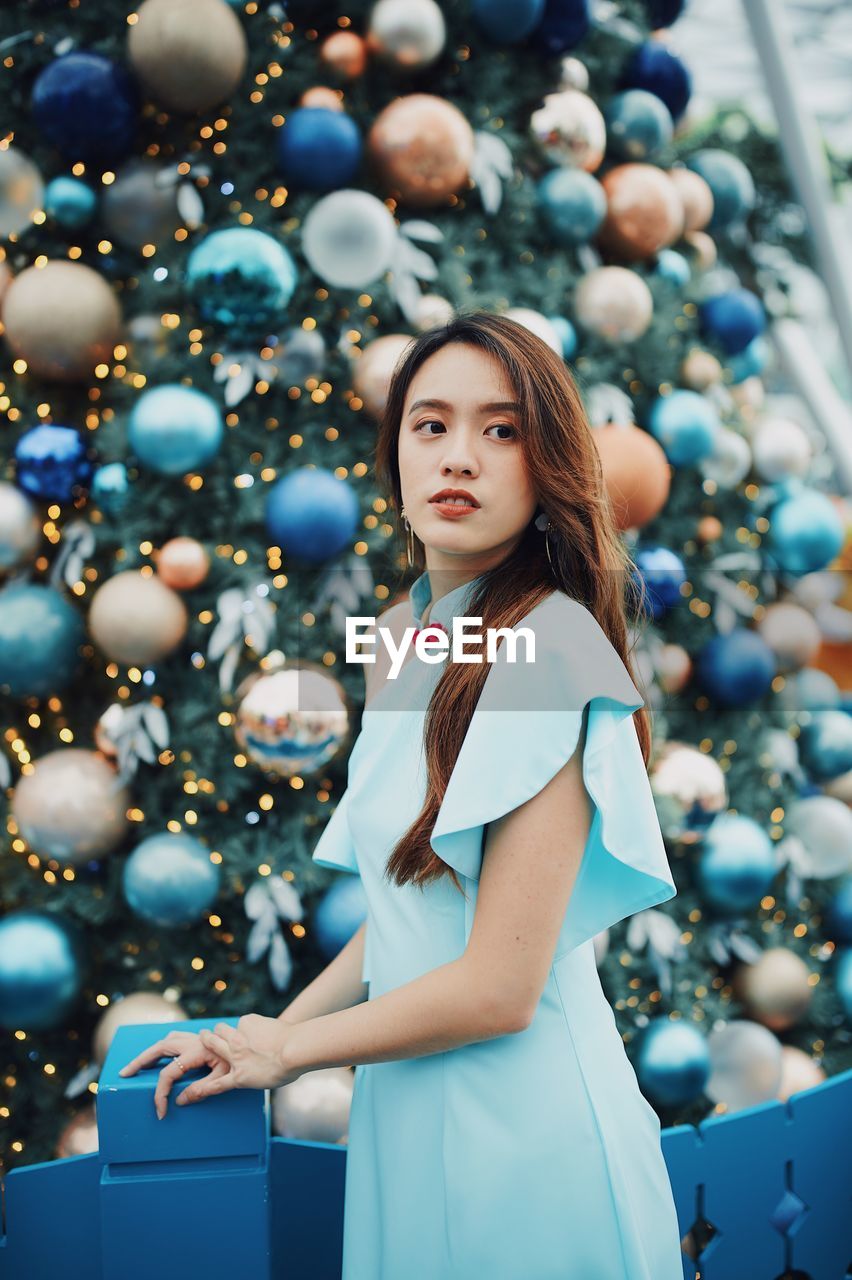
column 491, row 407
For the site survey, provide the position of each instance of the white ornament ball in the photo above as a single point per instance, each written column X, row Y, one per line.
column 792, row 634
column 537, row 324
column 781, row 449
column 614, row 303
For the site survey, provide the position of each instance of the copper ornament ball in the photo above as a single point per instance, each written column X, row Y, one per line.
column 344, row 53
column 183, row 563
column 644, row 211
column 421, row 149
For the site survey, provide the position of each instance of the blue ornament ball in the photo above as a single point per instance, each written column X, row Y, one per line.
column 737, row 864
column 111, row 487
column 169, row 879
column 733, row 319
column 843, row 979
column 661, row 574
column 312, row 514
column 563, row 25
column 730, row 182
column 736, row 667
column 86, row 106
column 40, row 637
column 339, row 914
column 53, row 463
column 657, row 70
column 839, row 916
column 573, row 205
column 638, row 125
column 663, row 13
column 241, row 278
column 319, row 149
column 673, row 266
column 686, row 425
column 507, row 21
column 825, row 744
column 42, row 970
column 805, row 532
column 567, row 335
column 174, row 429
column 673, row 1062
column 71, row 202
column 751, row 362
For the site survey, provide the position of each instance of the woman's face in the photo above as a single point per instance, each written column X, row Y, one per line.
column 460, row 431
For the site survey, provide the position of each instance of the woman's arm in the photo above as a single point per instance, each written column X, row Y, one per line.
column 338, row 986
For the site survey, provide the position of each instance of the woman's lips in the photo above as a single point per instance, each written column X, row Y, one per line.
column 453, row 509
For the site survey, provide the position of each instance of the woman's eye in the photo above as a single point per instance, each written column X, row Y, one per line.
column 430, row 422
column 504, row 426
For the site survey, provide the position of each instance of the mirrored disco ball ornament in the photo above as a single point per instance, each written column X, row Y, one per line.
column 293, row 720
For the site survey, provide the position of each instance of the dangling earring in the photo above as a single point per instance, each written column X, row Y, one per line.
column 409, row 538
column 544, row 522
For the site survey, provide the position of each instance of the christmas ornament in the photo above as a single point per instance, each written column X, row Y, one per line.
column 339, row 914
column 110, row 487
column 638, row 125
column 745, row 1063
column 643, row 211
column 140, row 207
column 507, row 21
column 431, row 311
column 20, row 529
column 805, row 532
column 345, row 54
column 135, row 619
column 86, row 106
column 751, row 362
column 695, row 196
column 838, row 921
column 636, row 474
column 21, row 191
column 320, row 95
column 700, row 370
column 661, row 574
column 174, row 429
column 71, row 806
column 311, row 514
column 562, row 27
column 672, row 1063
column 672, row 266
column 657, row 70
column 79, row 1137
column 42, row 970
column 53, row 463
column 241, row 278
column 70, row 202
column 737, row 864
column 292, row 721
column 703, row 249
column 40, row 637
column 302, row 354
column 733, row 319
column 730, row 183
column 170, row 880
column 673, row 668
column 569, row 130
column 791, row 633
column 410, row 34
column 567, row 335
column 573, row 205
column 798, row 1072
column 729, row 461
column 736, row 668
column 537, row 324
column 374, row 367
column 349, row 239
column 128, row 734
column 183, row 563
column 319, row 149
column 614, row 303
column 314, row 1108
column 776, row 990
column 62, row 318
column 825, row 744
column 246, row 618
column 421, row 149
column 188, row 54
column 686, row 425
column 689, row 790
column 270, row 902
column 138, row 1007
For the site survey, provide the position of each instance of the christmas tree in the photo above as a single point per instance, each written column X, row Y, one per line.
column 220, row 232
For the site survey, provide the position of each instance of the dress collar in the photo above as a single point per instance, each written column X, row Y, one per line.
column 452, row 605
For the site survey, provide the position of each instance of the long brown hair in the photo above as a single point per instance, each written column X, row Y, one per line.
column 590, row 560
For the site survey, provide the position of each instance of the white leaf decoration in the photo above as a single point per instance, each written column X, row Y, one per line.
column 280, row 962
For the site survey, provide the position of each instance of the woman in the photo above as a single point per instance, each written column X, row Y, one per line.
column 500, row 816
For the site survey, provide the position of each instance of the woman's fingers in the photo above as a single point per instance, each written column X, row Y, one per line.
column 146, row 1057
column 220, row 1080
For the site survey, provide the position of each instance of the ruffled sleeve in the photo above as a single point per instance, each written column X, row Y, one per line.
column 526, row 726
column 335, row 847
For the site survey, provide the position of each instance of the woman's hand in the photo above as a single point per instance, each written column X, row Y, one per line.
column 193, row 1053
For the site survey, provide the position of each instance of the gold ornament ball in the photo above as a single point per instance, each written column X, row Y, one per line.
column 695, row 196
column 138, row 1007
column 709, row 529
column 614, row 303
column 136, row 619
column 293, row 720
column 320, row 95
column 644, row 211
column 636, row 473
column 79, row 1137
column 674, row 668
column 71, row 806
column 421, row 149
column 700, row 370
column 792, row 634
column 569, row 130
column 410, row 34
column 374, row 368
column 344, row 53
column 188, row 54
column 703, row 249
column 775, row 990
column 798, row 1072
column 62, row 318
column 183, row 563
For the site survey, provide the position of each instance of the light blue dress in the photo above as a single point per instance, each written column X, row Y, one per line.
column 531, row 1156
